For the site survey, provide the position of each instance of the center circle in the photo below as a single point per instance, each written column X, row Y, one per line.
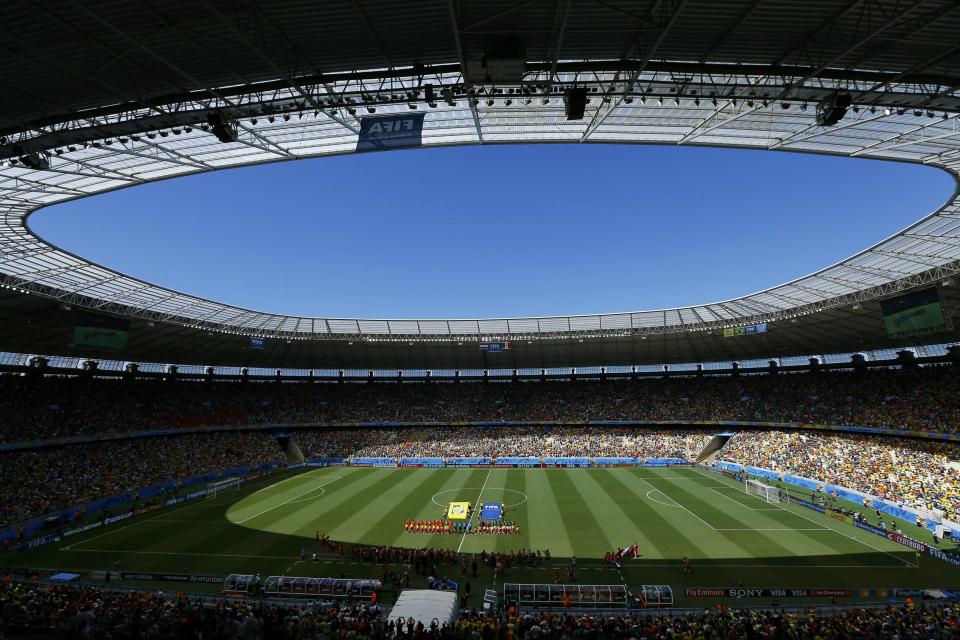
column 433, row 498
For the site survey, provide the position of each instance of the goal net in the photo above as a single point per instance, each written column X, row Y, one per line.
column 215, row 488
column 764, row 491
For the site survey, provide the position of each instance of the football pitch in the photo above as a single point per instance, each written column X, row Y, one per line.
column 732, row 538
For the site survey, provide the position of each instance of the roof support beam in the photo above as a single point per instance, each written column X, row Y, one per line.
column 454, row 22
column 669, row 13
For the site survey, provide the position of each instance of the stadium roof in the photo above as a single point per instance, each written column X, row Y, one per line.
column 105, row 95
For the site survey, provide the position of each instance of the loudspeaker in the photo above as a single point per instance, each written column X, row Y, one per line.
column 575, row 102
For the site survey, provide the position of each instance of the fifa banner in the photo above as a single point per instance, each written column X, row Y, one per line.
column 661, row 462
column 745, row 331
column 525, row 462
column 378, row 133
column 916, row 545
column 615, row 462
column 491, row 511
column 422, row 462
column 806, row 503
column 568, row 462
column 469, row 462
column 373, row 462
column 96, row 525
column 927, row 594
column 327, row 462
column 731, row 592
column 458, row 510
column 173, row 577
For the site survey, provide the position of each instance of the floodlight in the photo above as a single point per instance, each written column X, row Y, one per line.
column 832, row 109
column 224, row 130
column 575, row 102
column 40, row 160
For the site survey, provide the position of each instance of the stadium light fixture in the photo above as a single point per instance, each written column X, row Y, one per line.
column 224, row 130
column 37, row 161
column 831, row 110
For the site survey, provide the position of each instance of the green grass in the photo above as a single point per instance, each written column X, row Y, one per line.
column 732, row 538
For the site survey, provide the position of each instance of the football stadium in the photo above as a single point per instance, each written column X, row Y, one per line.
column 780, row 464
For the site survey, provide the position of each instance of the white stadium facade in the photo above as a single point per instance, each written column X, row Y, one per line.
column 106, row 95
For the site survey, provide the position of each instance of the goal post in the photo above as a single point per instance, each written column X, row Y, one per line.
column 218, row 487
column 763, row 491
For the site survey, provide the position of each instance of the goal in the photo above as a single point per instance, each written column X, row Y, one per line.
column 764, row 491
column 215, row 488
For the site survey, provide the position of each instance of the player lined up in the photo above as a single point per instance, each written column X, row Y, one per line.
column 428, row 526
column 440, row 527
column 498, row 528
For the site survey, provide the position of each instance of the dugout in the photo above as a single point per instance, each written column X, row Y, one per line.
column 578, row 595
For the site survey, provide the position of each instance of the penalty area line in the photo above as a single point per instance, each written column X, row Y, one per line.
column 294, row 477
column 277, row 506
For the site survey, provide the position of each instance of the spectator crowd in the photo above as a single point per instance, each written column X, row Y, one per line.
column 40, row 481
column 36, row 482
column 86, row 612
column 915, row 473
column 45, row 408
column 502, row 441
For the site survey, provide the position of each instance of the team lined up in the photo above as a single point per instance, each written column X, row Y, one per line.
column 444, row 526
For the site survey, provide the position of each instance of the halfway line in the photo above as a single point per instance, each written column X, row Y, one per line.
column 478, row 503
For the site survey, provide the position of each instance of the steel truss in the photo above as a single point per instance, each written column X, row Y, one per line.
column 630, row 101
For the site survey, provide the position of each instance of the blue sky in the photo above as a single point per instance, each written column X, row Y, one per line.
column 498, row 230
